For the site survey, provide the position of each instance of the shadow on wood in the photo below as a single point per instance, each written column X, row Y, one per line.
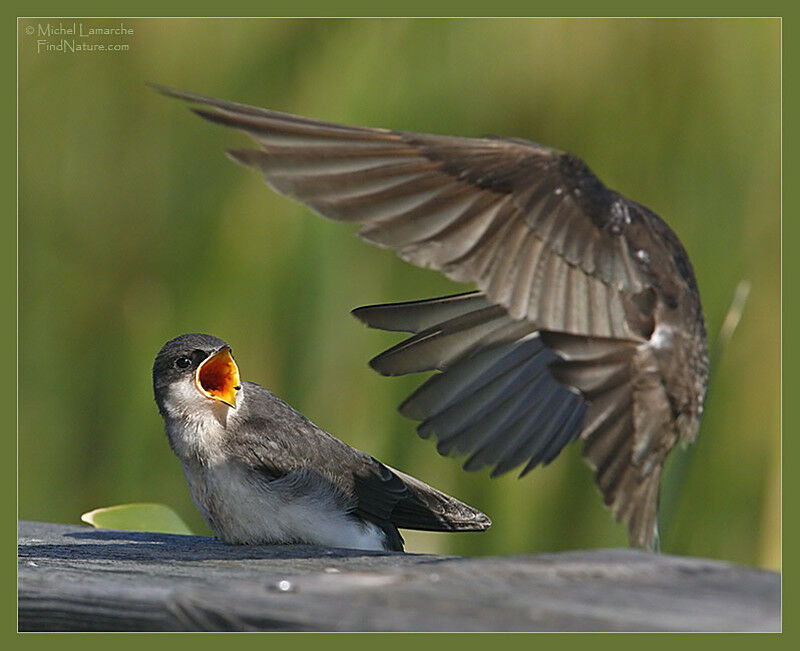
column 75, row 578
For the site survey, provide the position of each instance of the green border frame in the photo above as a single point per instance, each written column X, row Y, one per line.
column 791, row 270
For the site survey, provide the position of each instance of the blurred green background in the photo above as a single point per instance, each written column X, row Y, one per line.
column 134, row 228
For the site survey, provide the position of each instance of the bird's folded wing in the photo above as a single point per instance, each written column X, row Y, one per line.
column 281, row 443
column 386, row 495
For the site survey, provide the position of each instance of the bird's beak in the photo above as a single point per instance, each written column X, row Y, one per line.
column 218, row 377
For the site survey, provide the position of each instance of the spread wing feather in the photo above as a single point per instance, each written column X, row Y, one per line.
column 529, row 225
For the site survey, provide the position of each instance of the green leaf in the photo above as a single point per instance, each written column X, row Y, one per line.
column 158, row 518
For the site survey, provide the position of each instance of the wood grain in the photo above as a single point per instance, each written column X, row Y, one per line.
column 74, row 578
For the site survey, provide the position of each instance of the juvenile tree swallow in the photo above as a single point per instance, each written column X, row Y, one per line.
column 260, row 472
column 586, row 321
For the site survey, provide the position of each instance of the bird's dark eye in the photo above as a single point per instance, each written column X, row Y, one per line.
column 183, row 362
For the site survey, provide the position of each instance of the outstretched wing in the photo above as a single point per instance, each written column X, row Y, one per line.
column 510, row 394
column 531, row 226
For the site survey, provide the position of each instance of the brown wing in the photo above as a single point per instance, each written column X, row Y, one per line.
column 532, row 227
column 568, row 271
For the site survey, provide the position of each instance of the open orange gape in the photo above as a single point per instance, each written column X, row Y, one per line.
column 218, row 377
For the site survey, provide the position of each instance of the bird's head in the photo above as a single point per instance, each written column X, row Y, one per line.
column 192, row 372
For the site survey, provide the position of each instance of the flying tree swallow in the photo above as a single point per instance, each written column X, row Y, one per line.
column 586, row 322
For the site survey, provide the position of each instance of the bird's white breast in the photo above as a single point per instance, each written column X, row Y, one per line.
column 244, row 509
column 241, row 507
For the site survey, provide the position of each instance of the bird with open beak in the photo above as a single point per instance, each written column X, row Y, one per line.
column 260, row 472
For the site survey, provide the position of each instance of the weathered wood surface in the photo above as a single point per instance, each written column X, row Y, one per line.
column 77, row 578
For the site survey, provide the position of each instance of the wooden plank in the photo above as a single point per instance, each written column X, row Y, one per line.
column 76, row 578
